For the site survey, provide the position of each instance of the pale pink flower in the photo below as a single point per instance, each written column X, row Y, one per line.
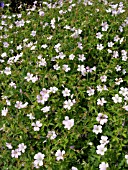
column 59, row 155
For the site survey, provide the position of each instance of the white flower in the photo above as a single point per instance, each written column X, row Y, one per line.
column 51, row 134
column 102, row 119
column 53, row 89
column 118, row 81
column 66, row 68
column 4, row 111
column 15, row 153
column 101, row 101
column 68, row 104
column 33, row 33
column 100, row 47
column 126, row 157
column 123, row 91
column 118, row 68
column 68, row 123
column 45, row 109
column 7, row 70
column 9, row 145
column 104, row 140
column 22, row 147
column 41, row 13
column 116, row 38
column 117, row 99
column 104, row 26
column 66, row 92
column 80, row 45
column 20, row 105
column 81, row 57
column 74, row 168
column 125, row 107
column 30, row 116
column 59, row 155
column 81, row 68
column 44, row 46
column 97, row 129
column 99, row 35
column 103, row 166
column 90, row 91
column 71, row 57
column 37, row 125
column 101, row 149
column 103, row 78
column 39, row 157
column 56, row 67
column 29, row 77
column 110, row 44
column 12, row 84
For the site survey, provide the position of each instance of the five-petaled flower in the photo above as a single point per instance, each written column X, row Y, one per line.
column 37, row 125
column 59, row 155
column 68, row 123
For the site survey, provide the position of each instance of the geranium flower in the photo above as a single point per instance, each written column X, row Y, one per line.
column 101, row 118
column 37, row 125
column 104, row 140
column 101, row 149
column 117, row 99
column 22, row 147
column 59, row 155
column 103, row 166
column 39, row 157
column 97, row 129
column 15, row 153
column 68, row 123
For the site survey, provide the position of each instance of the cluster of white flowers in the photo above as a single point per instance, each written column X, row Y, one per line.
column 43, row 97
column 30, row 77
column 116, row 9
column 101, row 149
column 17, row 152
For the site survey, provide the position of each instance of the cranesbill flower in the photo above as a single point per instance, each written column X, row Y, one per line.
column 103, row 166
column 101, row 118
column 68, row 123
column 59, row 155
column 4, row 111
column 15, row 153
column 101, row 149
column 68, row 104
column 37, row 125
column 39, row 157
column 126, row 157
column 101, row 101
column 22, row 147
column 97, row 129
column 66, row 92
column 117, row 99
column 104, row 140
column 51, row 134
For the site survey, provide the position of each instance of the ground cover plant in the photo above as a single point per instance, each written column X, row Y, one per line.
column 64, row 86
